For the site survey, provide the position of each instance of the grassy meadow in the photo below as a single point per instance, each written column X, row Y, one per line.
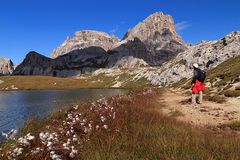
column 85, row 81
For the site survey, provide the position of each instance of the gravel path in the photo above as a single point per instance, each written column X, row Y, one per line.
column 208, row 113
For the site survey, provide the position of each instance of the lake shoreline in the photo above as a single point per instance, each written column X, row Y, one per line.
column 18, row 106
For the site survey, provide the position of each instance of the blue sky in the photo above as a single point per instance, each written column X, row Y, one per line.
column 42, row 25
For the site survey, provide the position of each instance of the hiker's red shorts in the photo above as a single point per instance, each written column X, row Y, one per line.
column 198, row 86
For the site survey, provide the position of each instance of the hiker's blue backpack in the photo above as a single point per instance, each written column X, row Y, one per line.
column 201, row 75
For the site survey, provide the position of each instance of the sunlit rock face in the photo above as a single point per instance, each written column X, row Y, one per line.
column 6, row 66
column 156, row 37
column 86, row 39
column 208, row 54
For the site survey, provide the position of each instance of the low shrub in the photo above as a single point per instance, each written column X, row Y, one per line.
column 232, row 93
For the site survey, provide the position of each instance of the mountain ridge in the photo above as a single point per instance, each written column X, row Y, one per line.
column 156, row 54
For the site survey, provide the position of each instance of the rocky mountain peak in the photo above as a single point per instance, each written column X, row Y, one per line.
column 157, row 22
column 157, row 38
column 85, row 39
column 6, row 66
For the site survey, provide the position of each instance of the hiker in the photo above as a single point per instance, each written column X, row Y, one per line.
column 198, row 84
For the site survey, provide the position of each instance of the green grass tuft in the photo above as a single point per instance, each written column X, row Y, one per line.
column 176, row 113
column 234, row 125
column 232, row 93
column 215, row 98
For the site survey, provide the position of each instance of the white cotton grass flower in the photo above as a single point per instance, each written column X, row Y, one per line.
column 68, row 133
column 90, row 125
column 43, row 136
column 49, row 144
column 76, row 107
column 114, row 115
column 25, row 141
column 66, row 146
column 75, row 138
column 97, row 127
column 73, row 152
column 50, row 137
column 36, row 151
column 18, row 151
column 54, row 156
column 74, row 121
column 69, row 140
column 77, row 119
column 105, row 126
column 103, row 119
column 85, row 130
column 29, row 137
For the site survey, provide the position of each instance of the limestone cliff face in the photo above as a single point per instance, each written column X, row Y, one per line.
column 86, row 39
column 207, row 54
column 6, row 66
column 157, row 22
column 157, row 35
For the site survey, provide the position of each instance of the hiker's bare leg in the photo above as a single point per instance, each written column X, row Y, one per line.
column 200, row 97
column 194, row 96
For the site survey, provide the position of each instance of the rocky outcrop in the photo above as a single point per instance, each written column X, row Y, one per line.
column 72, row 64
column 6, row 66
column 207, row 54
column 155, row 40
column 86, row 39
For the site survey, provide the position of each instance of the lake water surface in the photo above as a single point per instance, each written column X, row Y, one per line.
column 16, row 107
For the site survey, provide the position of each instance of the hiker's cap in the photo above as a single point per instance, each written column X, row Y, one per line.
column 195, row 65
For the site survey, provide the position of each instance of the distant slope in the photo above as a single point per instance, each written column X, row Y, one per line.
column 223, row 80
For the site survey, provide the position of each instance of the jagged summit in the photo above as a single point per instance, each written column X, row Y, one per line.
column 157, row 22
column 84, row 39
column 157, row 33
column 157, row 38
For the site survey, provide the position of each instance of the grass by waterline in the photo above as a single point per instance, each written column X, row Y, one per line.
column 135, row 131
column 9, row 83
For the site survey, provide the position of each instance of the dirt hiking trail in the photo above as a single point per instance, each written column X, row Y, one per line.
column 205, row 114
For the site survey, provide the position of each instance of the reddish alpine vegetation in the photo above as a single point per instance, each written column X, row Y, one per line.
column 120, row 127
